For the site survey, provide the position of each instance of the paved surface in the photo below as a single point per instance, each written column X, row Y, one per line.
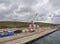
column 25, row 37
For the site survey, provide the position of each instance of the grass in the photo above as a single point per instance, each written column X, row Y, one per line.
column 8, row 24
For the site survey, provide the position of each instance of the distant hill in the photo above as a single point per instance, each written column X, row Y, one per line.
column 11, row 24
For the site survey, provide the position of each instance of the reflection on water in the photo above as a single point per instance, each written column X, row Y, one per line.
column 53, row 38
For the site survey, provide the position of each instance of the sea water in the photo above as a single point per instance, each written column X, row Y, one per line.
column 53, row 38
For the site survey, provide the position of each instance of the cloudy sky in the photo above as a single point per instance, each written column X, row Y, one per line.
column 26, row 10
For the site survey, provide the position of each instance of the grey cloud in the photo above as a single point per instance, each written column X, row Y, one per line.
column 56, row 20
column 55, row 3
column 29, row 2
column 26, row 9
column 6, row 2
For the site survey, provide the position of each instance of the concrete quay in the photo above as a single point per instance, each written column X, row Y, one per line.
column 25, row 37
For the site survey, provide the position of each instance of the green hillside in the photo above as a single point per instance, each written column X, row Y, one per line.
column 8, row 24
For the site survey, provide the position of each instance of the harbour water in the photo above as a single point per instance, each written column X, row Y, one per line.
column 53, row 38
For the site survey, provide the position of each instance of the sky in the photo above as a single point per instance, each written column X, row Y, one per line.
column 25, row 10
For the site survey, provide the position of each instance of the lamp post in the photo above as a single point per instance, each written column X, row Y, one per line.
column 33, row 23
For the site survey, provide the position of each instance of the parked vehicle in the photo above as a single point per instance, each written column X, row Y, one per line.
column 4, row 34
column 17, row 31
